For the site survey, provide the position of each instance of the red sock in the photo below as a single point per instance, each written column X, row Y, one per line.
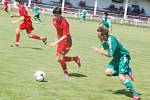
column 63, row 65
column 75, row 58
column 68, row 59
column 36, row 37
column 17, row 38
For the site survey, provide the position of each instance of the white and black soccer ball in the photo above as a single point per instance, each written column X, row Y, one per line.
column 39, row 76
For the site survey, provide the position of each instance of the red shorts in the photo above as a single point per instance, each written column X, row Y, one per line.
column 63, row 48
column 26, row 26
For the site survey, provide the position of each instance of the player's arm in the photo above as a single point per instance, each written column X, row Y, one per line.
column 99, row 23
column 102, row 51
column 64, row 37
column 110, row 26
column 14, row 15
column 19, row 20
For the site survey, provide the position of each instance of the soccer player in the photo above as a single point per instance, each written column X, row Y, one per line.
column 36, row 10
column 64, row 41
column 83, row 15
column 119, row 65
column 6, row 5
column 106, row 22
column 25, row 24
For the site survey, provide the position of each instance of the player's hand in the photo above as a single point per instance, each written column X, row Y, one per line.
column 14, row 22
column 53, row 43
column 11, row 16
column 96, row 49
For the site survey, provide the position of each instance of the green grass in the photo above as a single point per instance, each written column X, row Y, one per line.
column 17, row 65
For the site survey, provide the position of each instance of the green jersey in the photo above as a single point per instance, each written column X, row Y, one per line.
column 114, row 47
column 84, row 13
column 106, row 23
column 36, row 10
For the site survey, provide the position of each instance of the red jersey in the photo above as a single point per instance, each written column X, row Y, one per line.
column 62, row 28
column 23, row 12
column 5, row 1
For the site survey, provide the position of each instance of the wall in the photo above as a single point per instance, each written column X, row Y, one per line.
column 105, row 3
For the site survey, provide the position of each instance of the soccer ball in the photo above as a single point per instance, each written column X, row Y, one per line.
column 39, row 76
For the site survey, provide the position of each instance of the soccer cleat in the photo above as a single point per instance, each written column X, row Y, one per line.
column 14, row 45
column 78, row 61
column 130, row 74
column 136, row 96
column 66, row 75
column 44, row 40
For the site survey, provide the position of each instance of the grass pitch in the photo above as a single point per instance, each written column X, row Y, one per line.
column 17, row 65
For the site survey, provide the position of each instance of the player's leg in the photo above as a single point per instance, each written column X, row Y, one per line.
column 75, row 58
column 109, row 71
column 38, row 17
column 84, row 19
column 34, row 36
column 123, row 70
column 18, row 30
column 112, row 68
column 130, row 74
column 35, row 17
column 81, row 18
column 65, row 50
column 60, row 59
column 5, row 7
column 128, row 84
column 129, row 70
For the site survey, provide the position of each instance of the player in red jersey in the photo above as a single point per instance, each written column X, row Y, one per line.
column 64, row 41
column 6, row 5
column 25, row 24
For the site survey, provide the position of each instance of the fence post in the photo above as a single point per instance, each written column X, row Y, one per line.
column 148, row 22
column 91, row 16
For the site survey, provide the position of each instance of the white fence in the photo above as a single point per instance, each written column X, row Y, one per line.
column 76, row 12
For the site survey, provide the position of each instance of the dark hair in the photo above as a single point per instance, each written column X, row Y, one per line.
column 18, row 0
column 57, row 10
column 106, row 13
column 103, row 30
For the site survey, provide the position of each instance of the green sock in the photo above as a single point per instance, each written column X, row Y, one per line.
column 128, row 85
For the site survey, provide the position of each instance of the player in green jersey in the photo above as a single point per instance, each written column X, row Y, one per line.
column 106, row 22
column 119, row 65
column 83, row 15
column 36, row 10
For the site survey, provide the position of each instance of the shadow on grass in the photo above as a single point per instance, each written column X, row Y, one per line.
column 43, row 81
column 36, row 48
column 76, row 75
column 123, row 92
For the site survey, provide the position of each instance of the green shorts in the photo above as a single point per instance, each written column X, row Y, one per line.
column 121, row 66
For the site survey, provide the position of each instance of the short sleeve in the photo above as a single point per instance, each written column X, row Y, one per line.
column 112, row 47
column 22, row 11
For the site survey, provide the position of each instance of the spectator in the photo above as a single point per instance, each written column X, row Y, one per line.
column 129, row 11
column 82, row 3
column 142, row 12
column 68, row 4
column 121, row 10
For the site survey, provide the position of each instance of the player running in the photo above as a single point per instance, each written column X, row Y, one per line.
column 119, row 65
column 25, row 24
column 64, row 41
column 36, row 10
column 106, row 22
column 6, row 6
column 83, row 15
